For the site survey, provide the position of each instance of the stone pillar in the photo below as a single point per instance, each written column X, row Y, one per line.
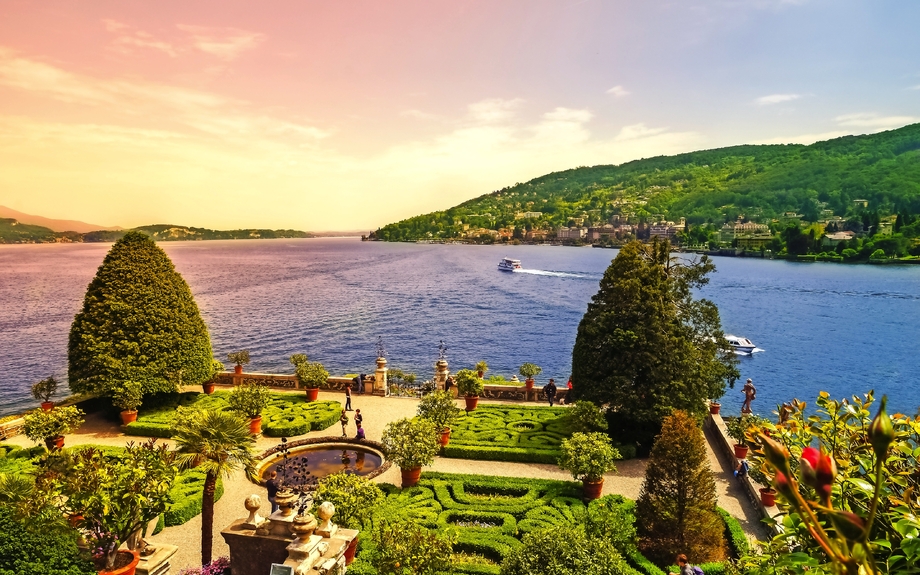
column 440, row 373
column 380, row 377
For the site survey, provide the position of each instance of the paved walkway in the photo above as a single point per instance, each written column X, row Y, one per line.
column 377, row 412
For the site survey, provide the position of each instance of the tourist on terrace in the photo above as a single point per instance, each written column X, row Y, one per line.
column 360, row 434
column 549, row 390
column 347, row 397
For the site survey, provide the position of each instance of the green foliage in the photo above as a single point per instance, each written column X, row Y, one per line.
column 469, row 383
column 45, row 389
column 410, row 443
column 530, row 370
column 587, row 417
column 354, row 498
column 611, row 518
column 738, row 428
column 240, row 357
column 645, row 346
column 406, row 548
column 566, row 551
column 311, row 374
column 440, row 408
column 41, row 425
column 676, row 510
column 185, row 497
column 588, row 456
column 510, row 433
column 128, row 396
column 482, row 366
column 139, row 322
column 249, row 399
column 737, row 539
column 39, row 547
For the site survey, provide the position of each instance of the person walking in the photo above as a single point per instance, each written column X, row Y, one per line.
column 347, row 397
column 344, row 421
column 271, row 484
column 549, row 390
column 750, row 394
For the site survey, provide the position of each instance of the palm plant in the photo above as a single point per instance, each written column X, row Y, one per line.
column 218, row 443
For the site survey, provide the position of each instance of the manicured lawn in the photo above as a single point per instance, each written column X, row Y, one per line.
column 510, row 433
column 287, row 415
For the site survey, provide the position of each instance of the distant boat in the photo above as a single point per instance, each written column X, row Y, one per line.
column 509, row 265
column 741, row 344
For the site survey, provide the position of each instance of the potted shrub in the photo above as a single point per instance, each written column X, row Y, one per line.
column 249, row 399
column 588, row 456
column 439, row 408
column 216, row 368
column 470, row 386
column 354, row 497
column 410, row 444
column 312, row 375
column 482, row 367
column 714, row 407
column 737, row 428
column 240, row 358
column 528, row 371
column 52, row 426
column 128, row 397
column 43, row 391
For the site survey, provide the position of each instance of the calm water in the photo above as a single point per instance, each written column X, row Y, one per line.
column 323, row 461
column 844, row 329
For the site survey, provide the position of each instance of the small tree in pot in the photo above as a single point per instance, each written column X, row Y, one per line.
column 128, row 397
column 439, row 408
column 216, row 368
column 588, row 456
column 354, row 497
column 44, row 390
column 240, row 358
column 249, row 399
column 470, row 386
column 410, row 444
column 481, row 368
column 528, row 371
column 738, row 428
column 312, row 375
column 51, row 426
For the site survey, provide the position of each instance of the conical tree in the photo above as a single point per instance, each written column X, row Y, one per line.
column 218, row 443
column 676, row 511
column 139, row 322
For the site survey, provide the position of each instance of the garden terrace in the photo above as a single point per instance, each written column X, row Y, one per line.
column 287, row 414
column 510, row 433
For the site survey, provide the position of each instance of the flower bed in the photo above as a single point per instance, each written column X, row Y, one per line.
column 510, row 433
column 287, row 415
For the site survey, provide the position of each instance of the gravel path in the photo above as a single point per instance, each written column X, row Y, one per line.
column 377, row 412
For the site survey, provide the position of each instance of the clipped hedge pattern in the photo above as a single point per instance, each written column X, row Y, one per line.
column 737, row 539
column 287, row 415
column 510, row 433
column 186, row 494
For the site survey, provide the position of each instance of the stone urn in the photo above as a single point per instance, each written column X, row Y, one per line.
column 303, row 527
column 285, row 500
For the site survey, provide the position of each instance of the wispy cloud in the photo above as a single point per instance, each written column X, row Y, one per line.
column 618, row 91
column 493, row 110
column 873, row 121
column 127, row 39
column 418, row 114
column 226, row 43
column 917, row 87
column 776, row 99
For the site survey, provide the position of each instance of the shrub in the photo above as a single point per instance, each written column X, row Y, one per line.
column 41, row 425
column 354, row 498
column 406, row 548
column 45, row 389
column 611, row 518
column 588, row 456
column 240, row 357
column 530, row 370
column 249, row 399
column 737, row 539
column 587, row 417
column 312, row 375
column 128, row 396
column 439, row 408
column 39, row 548
column 410, row 443
column 186, row 496
column 570, row 552
column 468, row 383
column 509, row 433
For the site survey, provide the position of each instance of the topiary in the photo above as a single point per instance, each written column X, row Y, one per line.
column 468, row 383
column 139, row 322
column 405, row 547
column 128, row 396
column 249, row 399
column 439, row 408
column 354, row 498
column 410, row 443
column 588, row 456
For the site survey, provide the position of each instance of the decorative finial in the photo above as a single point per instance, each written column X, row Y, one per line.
column 381, row 350
column 442, row 351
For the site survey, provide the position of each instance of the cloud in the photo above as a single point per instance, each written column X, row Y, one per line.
column 805, row 139
column 917, row 87
column 618, row 91
column 873, row 121
column 418, row 115
column 776, row 99
column 493, row 110
column 127, row 39
column 226, row 43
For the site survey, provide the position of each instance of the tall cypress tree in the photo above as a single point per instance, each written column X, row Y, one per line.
column 676, row 511
column 645, row 346
column 139, row 322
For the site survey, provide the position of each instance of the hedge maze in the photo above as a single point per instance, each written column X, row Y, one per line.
column 510, row 433
column 287, row 415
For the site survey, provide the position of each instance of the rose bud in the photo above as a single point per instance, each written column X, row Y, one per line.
column 782, row 485
column 881, row 431
column 818, row 471
column 848, row 524
column 775, row 452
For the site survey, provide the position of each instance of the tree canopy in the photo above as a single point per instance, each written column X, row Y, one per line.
column 139, row 322
column 645, row 346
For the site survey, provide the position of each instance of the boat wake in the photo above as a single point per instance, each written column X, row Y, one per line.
column 755, row 350
column 549, row 273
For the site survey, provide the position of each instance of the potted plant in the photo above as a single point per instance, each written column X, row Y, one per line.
column 714, row 407
column 128, row 397
column 354, row 497
column 312, row 375
column 588, row 456
column 249, row 399
column 216, row 368
column 528, row 371
column 52, row 426
column 240, row 358
column 44, row 390
column 482, row 367
column 439, row 408
column 737, row 428
column 470, row 386
column 410, row 444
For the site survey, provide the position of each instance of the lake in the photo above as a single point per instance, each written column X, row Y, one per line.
column 843, row 329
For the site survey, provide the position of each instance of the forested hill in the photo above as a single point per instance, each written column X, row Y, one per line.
column 14, row 232
column 759, row 182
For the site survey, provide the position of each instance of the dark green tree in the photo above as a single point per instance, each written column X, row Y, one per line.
column 645, row 346
column 676, row 510
column 139, row 322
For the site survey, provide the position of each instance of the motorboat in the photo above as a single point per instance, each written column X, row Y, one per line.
column 509, row 265
column 741, row 344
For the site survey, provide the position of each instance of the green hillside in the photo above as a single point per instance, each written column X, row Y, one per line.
column 13, row 232
column 760, row 183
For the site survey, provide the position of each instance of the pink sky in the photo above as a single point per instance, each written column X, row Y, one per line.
column 343, row 115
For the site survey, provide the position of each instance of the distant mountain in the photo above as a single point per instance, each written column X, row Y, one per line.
column 15, row 232
column 53, row 225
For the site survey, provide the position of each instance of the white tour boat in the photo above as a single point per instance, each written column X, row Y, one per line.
column 741, row 344
column 509, row 265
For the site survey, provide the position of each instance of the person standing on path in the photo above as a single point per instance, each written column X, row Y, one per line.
column 272, row 486
column 750, row 394
column 550, row 391
column 360, row 434
column 358, row 418
column 344, row 421
column 348, row 397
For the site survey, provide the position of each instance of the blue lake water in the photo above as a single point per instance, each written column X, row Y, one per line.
column 844, row 329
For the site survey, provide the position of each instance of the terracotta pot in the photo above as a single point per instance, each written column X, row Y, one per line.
column 128, row 569
column 53, row 443
column 471, row 402
column 208, row 387
column 74, row 519
column 714, row 408
column 410, row 477
column 592, row 489
column 481, row 373
column 528, row 384
column 128, row 416
column 47, row 405
column 350, row 551
column 768, row 496
column 741, row 451
column 445, row 437
column 255, row 425
column 312, row 393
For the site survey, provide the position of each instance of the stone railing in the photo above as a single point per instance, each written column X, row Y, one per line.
column 229, row 378
column 11, row 428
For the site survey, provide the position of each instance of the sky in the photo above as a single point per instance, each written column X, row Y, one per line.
column 343, row 115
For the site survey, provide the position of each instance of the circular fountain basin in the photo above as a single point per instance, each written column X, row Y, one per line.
column 327, row 456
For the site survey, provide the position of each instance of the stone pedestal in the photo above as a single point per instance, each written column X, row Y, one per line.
column 380, row 377
column 252, row 554
column 440, row 373
column 158, row 562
